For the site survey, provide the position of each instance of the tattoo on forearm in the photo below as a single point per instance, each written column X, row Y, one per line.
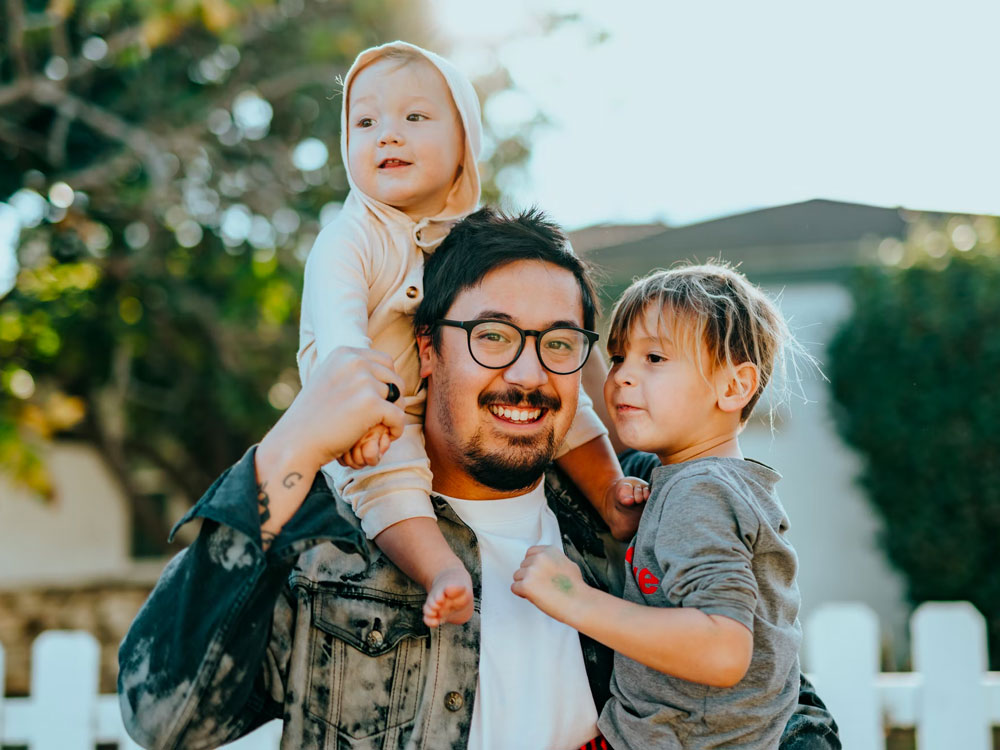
column 263, row 503
column 291, row 480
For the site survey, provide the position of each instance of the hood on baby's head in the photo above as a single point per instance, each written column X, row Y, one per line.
column 464, row 196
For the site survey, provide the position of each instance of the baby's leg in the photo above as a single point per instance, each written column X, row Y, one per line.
column 419, row 549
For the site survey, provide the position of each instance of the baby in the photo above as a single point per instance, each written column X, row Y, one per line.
column 707, row 635
column 410, row 140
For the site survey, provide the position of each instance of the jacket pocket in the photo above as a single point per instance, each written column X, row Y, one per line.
column 367, row 664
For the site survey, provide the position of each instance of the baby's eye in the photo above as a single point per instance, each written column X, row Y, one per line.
column 616, row 359
column 365, row 122
column 416, row 117
column 655, row 358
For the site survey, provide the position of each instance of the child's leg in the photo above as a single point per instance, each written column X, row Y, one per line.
column 418, row 548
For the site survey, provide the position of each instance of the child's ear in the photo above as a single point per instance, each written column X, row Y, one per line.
column 425, row 346
column 736, row 386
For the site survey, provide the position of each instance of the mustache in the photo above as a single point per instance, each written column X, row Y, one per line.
column 517, row 397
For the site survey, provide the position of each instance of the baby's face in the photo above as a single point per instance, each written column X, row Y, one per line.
column 405, row 140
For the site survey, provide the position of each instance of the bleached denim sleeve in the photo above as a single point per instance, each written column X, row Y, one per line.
column 205, row 660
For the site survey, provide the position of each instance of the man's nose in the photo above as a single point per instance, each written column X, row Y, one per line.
column 527, row 371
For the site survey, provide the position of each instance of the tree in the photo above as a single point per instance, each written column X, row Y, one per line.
column 914, row 376
column 168, row 164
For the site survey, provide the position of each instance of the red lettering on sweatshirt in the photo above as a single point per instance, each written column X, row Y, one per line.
column 647, row 582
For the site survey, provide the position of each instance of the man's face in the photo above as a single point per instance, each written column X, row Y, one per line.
column 404, row 136
column 476, row 450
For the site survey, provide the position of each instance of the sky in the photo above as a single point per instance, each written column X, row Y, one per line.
column 688, row 111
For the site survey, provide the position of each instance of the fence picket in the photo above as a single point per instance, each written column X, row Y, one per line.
column 842, row 646
column 3, row 689
column 949, row 650
column 65, row 668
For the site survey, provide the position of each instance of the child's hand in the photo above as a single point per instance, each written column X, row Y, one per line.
column 551, row 581
column 369, row 449
column 629, row 491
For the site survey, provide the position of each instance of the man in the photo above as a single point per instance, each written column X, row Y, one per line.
column 280, row 609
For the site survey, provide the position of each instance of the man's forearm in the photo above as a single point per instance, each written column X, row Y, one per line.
column 284, row 476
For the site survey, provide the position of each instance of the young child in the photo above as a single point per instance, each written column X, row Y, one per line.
column 410, row 139
column 706, row 637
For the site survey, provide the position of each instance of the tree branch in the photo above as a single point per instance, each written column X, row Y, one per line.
column 18, row 136
column 15, row 37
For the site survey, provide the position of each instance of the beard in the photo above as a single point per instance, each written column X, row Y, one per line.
column 519, row 463
column 516, row 467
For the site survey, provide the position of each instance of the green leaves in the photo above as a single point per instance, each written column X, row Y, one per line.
column 914, row 375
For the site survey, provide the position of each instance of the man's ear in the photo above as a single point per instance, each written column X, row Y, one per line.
column 425, row 346
column 736, row 386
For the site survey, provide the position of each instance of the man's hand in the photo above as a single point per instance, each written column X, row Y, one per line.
column 344, row 399
column 552, row 582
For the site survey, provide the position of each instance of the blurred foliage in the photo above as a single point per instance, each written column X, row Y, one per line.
column 163, row 161
column 914, row 376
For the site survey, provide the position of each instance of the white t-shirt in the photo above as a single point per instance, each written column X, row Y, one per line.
column 533, row 690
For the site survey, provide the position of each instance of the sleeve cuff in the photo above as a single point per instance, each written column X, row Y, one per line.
column 232, row 501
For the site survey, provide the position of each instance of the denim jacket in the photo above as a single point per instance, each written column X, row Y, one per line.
column 325, row 633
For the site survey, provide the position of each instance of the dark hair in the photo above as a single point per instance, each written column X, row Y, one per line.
column 485, row 241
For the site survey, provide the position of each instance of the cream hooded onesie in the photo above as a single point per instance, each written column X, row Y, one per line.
column 363, row 282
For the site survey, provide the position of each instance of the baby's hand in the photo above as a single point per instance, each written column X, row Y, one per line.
column 369, row 449
column 629, row 491
column 551, row 581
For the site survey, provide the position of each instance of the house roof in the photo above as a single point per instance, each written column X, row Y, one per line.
column 609, row 235
column 800, row 240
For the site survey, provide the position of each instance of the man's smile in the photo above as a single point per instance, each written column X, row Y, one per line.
column 515, row 414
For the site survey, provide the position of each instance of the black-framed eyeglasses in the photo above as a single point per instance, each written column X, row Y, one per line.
column 496, row 344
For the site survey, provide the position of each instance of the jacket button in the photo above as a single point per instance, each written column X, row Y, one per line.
column 412, row 292
column 374, row 639
column 454, row 701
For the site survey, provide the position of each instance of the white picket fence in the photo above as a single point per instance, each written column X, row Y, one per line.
column 951, row 700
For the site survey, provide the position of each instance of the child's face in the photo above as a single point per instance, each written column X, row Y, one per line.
column 657, row 397
column 405, row 140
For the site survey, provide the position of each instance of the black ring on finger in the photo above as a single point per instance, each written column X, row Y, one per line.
column 393, row 393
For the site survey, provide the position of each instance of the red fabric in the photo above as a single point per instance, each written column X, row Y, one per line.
column 598, row 743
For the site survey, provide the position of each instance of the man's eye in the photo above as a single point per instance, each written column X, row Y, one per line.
column 493, row 337
column 365, row 122
column 416, row 117
column 559, row 345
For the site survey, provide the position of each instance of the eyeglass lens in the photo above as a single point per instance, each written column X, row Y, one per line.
column 496, row 344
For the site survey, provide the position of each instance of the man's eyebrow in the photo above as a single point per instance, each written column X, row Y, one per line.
column 500, row 315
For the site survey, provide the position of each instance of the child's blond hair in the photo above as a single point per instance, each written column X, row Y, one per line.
column 714, row 308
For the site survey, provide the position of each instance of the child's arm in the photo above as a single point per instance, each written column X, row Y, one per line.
column 680, row 641
column 594, row 468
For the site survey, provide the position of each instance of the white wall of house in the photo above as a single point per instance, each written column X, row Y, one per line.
column 833, row 527
column 81, row 535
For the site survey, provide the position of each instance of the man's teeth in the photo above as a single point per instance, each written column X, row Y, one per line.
column 516, row 415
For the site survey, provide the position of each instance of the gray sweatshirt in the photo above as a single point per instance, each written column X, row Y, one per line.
column 713, row 537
